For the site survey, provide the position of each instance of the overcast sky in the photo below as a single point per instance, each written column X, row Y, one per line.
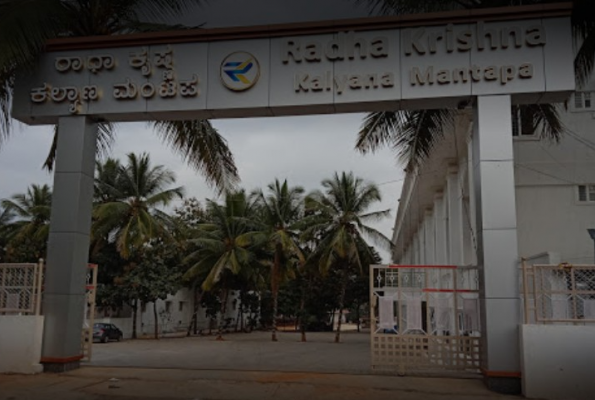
column 304, row 150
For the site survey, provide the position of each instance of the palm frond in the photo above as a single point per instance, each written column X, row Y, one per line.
column 377, row 237
column 375, row 216
column 105, row 139
column 201, row 145
column 543, row 119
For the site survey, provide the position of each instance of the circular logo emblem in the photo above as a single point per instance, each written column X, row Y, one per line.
column 240, row 71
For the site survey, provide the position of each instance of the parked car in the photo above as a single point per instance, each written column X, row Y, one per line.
column 106, row 332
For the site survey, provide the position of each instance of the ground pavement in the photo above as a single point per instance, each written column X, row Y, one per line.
column 244, row 367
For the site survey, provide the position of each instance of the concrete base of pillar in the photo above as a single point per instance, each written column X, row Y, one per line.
column 54, row 367
column 503, row 385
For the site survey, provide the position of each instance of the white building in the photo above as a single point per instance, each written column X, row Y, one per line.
column 174, row 316
column 554, row 192
column 529, row 199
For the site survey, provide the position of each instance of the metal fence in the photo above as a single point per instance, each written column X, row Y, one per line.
column 558, row 294
column 20, row 288
column 425, row 319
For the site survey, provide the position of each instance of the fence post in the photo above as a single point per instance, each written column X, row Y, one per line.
column 39, row 286
column 525, row 290
column 574, row 295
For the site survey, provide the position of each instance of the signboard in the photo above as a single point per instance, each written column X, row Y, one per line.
column 209, row 76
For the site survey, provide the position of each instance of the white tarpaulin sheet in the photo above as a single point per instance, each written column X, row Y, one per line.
column 471, row 312
column 413, row 304
column 386, row 312
column 442, row 314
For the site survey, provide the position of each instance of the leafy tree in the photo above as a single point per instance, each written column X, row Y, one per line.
column 111, row 297
column 222, row 248
column 187, row 219
column 358, row 290
column 412, row 134
column 153, row 280
column 190, row 214
column 280, row 210
column 131, row 213
column 340, row 214
column 26, row 25
column 27, row 222
column 211, row 303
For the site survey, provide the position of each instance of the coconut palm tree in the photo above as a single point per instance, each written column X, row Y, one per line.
column 107, row 176
column 26, row 25
column 280, row 211
column 26, row 219
column 223, row 248
column 338, row 223
column 131, row 214
column 412, row 134
column 5, row 218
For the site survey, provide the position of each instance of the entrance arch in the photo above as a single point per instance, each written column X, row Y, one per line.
column 492, row 59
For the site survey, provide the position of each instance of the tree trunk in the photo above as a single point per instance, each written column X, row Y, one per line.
column 134, row 318
column 194, row 322
column 242, row 328
column 239, row 313
column 357, row 314
column 341, row 303
column 302, row 319
column 222, row 316
column 333, row 313
column 275, row 290
column 156, row 319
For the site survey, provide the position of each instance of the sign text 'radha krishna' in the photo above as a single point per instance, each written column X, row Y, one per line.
column 416, row 42
column 345, row 46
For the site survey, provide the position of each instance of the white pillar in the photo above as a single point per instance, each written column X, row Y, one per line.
column 429, row 237
column 415, row 248
column 68, row 244
column 455, row 217
column 472, row 208
column 421, row 240
column 440, row 228
column 497, row 240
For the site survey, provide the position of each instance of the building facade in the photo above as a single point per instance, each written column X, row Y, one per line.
column 488, row 202
column 554, row 195
column 174, row 316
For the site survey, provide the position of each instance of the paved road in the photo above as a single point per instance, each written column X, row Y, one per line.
column 245, row 352
column 159, row 384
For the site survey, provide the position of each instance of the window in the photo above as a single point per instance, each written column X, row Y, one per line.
column 586, row 193
column 181, row 306
column 521, row 127
column 583, row 100
column 168, row 306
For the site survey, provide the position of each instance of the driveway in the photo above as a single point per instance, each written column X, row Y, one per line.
column 173, row 384
column 242, row 351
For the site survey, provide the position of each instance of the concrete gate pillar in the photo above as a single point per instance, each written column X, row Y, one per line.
column 494, row 190
column 68, row 245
